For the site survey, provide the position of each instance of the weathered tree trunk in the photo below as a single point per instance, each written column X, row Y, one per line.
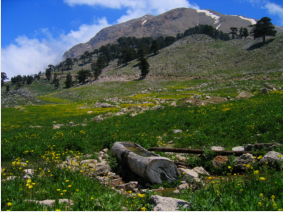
column 151, row 167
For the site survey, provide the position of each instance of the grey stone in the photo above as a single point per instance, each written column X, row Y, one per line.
column 260, row 146
column 201, row 170
column 128, row 186
column 173, row 103
column 217, row 148
column 273, row 158
column 187, row 174
column 88, row 161
column 177, row 131
column 181, row 158
column 183, row 186
column 102, row 169
column 157, row 107
column 219, row 161
column 176, row 191
column 238, row 148
column 168, row 203
column 263, row 91
column 244, row 95
column 244, row 159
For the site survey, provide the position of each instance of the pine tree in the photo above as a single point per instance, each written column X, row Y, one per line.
column 154, row 47
column 263, row 28
column 144, row 67
column 69, row 81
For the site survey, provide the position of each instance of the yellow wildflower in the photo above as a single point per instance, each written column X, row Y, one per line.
column 280, row 156
column 67, row 181
column 256, row 172
column 141, row 195
column 261, row 195
column 9, row 204
column 143, row 208
column 262, row 178
column 69, row 186
column 259, row 203
column 259, row 157
column 229, row 167
column 58, row 189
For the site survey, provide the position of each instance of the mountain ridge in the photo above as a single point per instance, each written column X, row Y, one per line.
column 167, row 24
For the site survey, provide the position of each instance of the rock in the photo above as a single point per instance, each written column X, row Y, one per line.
column 176, row 191
column 128, row 186
column 177, row 131
column 187, row 174
column 173, row 103
column 124, row 110
column 157, row 107
column 219, row 161
column 170, row 142
column 244, row 95
column 244, row 159
column 105, row 150
column 200, row 170
column 133, row 114
column 207, row 97
column 260, row 146
column 57, row 126
column 217, row 148
column 168, row 203
column 89, row 111
column 88, row 161
column 102, row 169
column 273, row 158
column 263, row 91
column 181, row 158
column 183, row 186
column 238, row 148
column 51, row 203
column 269, row 86
column 97, row 118
column 104, row 105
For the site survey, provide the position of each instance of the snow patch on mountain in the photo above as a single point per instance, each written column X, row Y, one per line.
column 248, row 19
column 212, row 15
column 144, row 22
column 218, row 26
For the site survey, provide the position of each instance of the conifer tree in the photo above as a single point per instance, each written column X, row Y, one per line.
column 69, row 81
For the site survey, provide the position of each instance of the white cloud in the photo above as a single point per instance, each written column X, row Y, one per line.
column 275, row 9
column 29, row 56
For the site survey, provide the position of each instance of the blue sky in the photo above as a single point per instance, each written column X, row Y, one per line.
column 35, row 33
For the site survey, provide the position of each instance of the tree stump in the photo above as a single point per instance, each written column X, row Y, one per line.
column 149, row 166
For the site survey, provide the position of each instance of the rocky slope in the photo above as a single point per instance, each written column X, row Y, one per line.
column 167, row 24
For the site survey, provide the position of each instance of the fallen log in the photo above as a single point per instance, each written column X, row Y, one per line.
column 199, row 151
column 151, row 167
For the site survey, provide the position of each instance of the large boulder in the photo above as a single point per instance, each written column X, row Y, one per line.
column 272, row 158
column 244, row 159
column 168, row 203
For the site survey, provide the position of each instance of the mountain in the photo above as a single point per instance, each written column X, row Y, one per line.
column 167, row 24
